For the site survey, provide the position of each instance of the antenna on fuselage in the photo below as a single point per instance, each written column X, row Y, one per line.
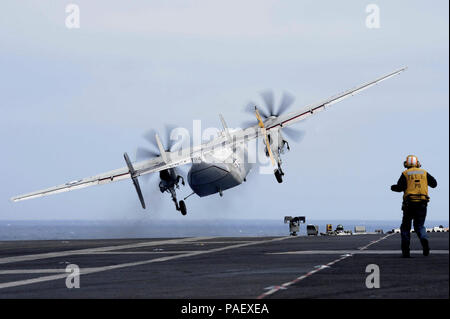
column 225, row 127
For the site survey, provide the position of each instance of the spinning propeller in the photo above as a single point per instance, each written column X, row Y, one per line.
column 149, row 153
column 156, row 144
column 263, row 130
column 269, row 102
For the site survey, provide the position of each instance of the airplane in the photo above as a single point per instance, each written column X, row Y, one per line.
column 220, row 163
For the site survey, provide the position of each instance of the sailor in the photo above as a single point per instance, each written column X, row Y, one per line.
column 414, row 182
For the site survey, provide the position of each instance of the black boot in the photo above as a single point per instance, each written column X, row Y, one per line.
column 405, row 250
column 425, row 247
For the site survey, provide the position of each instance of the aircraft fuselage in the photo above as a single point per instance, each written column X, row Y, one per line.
column 218, row 171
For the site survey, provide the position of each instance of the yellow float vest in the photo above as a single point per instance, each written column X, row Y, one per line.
column 416, row 185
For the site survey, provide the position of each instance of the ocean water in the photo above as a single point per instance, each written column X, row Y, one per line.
column 107, row 229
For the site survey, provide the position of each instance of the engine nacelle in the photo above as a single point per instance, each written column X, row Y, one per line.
column 169, row 178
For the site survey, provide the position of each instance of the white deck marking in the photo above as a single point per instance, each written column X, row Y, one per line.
column 374, row 242
column 312, row 272
column 85, row 271
column 31, row 271
column 139, row 252
column 13, row 259
column 356, row 252
column 223, row 242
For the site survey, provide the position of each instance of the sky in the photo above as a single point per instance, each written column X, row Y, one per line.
column 72, row 100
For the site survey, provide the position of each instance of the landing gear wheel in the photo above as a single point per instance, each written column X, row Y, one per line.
column 279, row 176
column 182, row 207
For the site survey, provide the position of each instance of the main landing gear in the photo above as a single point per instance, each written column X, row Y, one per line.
column 168, row 185
column 182, row 206
column 179, row 205
column 279, row 175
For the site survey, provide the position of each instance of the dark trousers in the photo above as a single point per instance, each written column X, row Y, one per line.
column 416, row 212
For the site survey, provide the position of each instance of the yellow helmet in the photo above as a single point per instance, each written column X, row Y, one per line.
column 411, row 161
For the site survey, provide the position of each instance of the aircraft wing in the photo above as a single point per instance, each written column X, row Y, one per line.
column 173, row 159
column 141, row 168
column 293, row 117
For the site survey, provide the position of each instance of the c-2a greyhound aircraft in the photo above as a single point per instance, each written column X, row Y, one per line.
column 220, row 163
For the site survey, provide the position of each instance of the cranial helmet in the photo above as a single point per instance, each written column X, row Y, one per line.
column 411, row 161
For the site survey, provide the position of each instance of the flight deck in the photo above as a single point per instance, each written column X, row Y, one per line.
column 225, row 267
